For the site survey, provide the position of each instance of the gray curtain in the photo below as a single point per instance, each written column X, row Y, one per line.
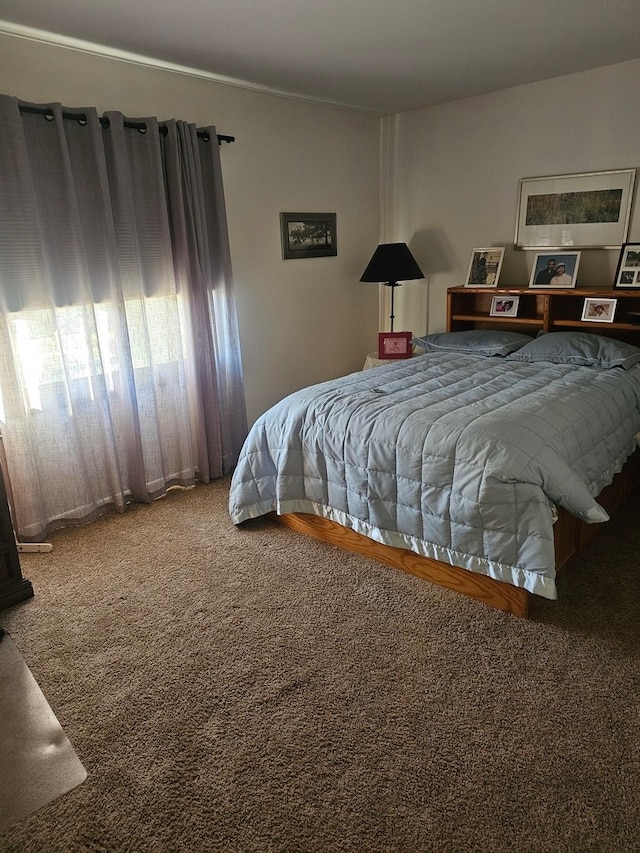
column 120, row 369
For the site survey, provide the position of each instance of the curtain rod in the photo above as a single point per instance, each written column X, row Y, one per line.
column 81, row 118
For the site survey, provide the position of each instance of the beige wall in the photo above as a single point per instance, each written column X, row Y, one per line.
column 454, row 172
column 448, row 182
column 301, row 321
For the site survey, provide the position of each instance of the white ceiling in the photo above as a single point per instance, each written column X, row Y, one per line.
column 378, row 55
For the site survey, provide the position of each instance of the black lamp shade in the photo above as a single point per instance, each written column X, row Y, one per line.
column 392, row 262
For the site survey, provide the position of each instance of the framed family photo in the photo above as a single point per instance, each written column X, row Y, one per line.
column 555, row 269
column 308, row 235
column 394, row 344
column 504, row 306
column 484, row 267
column 590, row 210
column 599, row 310
column 628, row 271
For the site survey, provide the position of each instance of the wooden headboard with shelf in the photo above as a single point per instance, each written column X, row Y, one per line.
column 549, row 310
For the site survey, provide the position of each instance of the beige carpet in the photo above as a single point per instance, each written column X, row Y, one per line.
column 37, row 762
column 254, row 690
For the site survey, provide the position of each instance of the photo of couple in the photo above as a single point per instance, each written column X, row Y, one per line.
column 557, row 270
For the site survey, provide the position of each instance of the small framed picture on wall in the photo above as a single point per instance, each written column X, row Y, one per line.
column 308, row 235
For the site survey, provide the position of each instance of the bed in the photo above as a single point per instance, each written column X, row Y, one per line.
column 483, row 464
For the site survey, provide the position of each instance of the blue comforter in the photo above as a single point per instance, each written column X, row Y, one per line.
column 458, row 458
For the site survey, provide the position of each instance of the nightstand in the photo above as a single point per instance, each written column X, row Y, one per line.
column 372, row 360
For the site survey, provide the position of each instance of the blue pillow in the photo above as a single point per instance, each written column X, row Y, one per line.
column 476, row 341
column 580, row 348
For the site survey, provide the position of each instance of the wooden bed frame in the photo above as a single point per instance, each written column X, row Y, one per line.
column 571, row 537
column 468, row 308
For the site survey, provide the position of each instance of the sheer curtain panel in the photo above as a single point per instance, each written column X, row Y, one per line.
column 120, row 369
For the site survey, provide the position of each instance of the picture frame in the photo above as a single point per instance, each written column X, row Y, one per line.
column 308, row 235
column 395, row 345
column 589, row 210
column 628, row 270
column 484, row 267
column 504, row 306
column 546, row 266
column 599, row 310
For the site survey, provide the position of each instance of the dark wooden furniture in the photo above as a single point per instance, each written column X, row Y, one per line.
column 468, row 308
column 13, row 587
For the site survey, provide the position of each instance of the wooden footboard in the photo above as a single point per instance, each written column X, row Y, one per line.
column 504, row 596
column 571, row 538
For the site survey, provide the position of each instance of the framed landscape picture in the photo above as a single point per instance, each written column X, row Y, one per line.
column 628, row 272
column 308, row 235
column 588, row 210
column 484, row 267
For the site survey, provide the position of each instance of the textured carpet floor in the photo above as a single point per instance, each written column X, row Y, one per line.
column 254, row 690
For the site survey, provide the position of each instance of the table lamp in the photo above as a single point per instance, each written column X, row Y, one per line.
column 390, row 264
